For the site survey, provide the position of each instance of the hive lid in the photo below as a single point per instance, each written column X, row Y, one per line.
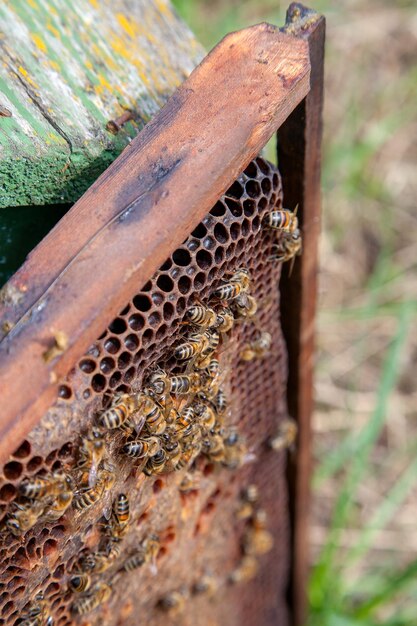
column 68, row 68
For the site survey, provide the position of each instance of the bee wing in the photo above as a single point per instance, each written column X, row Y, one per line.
column 92, row 474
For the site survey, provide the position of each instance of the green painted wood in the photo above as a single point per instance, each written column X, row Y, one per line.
column 67, row 68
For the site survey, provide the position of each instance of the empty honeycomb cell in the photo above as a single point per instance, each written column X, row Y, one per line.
column 275, row 181
column 13, row 470
column 209, row 243
column 235, row 190
column 190, row 271
column 107, row 365
column 230, row 250
column 129, row 374
column 112, row 345
column 184, row 284
column 98, row 382
column 49, row 547
column 15, row 582
column 52, row 588
column 166, row 266
column 256, row 224
column 181, row 304
column 147, row 336
column 118, row 326
column 136, row 322
column 199, row 281
column 251, row 171
column 252, row 188
column 23, row 450
column 161, row 332
column 193, row 245
column 165, row 283
column 58, row 531
column 124, row 360
column 131, row 342
column 235, row 207
column 273, row 199
column 221, row 234
column 64, row 392
column 266, row 185
column 182, row 257
column 142, row 302
column 204, row 259
column 234, row 230
column 154, row 318
column 7, row 608
column 115, row 379
column 148, row 286
column 263, row 165
column 87, row 366
column 199, row 232
column 158, row 485
column 240, row 248
column 65, row 451
column 4, row 597
column 219, row 254
column 263, row 203
column 158, row 298
column 7, row 492
column 168, row 311
column 245, row 227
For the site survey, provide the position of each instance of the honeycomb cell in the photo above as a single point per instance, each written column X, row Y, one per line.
column 98, row 382
column 7, row 492
column 182, row 257
column 235, row 190
column 184, row 284
column 107, row 365
column 131, row 342
column 143, row 302
column 209, row 243
column 13, row 470
column 235, row 207
column 219, row 255
column 49, row 547
column 218, row 210
column 168, row 311
column 266, row 185
column 251, row 171
column 199, row 281
column 64, row 392
column 263, row 165
column 118, row 326
column 234, row 231
column 129, row 375
column 112, row 345
column 154, row 318
column 136, row 322
column 34, row 464
column 252, row 188
column 199, row 232
column 161, row 332
column 124, row 360
column 7, row 608
column 87, row 366
column 115, row 379
column 204, row 259
column 23, row 450
column 221, row 234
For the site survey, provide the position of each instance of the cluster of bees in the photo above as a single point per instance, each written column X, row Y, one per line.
column 162, row 428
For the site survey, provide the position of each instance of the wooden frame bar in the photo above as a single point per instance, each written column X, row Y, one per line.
column 299, row 161
column 138, row 211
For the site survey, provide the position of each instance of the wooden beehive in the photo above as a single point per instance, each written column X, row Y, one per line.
column 112, row 307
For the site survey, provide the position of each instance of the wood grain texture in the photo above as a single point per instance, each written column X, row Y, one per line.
column 139, row 210
column 299, row 159
column 67, row 69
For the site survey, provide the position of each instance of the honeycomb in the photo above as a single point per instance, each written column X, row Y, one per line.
column 200, row 532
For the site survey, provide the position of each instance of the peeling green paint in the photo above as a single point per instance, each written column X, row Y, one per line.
column 69, row 67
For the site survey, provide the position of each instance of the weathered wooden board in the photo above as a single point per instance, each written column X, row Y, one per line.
column 139, row 210
column 70, row 66
column 299, row 157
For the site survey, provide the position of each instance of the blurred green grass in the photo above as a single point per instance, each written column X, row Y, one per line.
column 365, row 500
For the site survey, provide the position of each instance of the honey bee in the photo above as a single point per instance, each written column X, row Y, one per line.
column 24, row 517
column 173, row 603
column 189, row 482
column 285, row 437
column 245, row 306
column 90, row 496
column 156, row 464
column 235, row 451
column 245, row 571
column 289, row 247
column 249, row 498
column 201, row 316
column 141, row 448
column 207, row 585
column 214, row 448
column 174, row 452
column 153, row 414
column 206, row 415
column 38, row 614
column 134, row 561
column 96, row 596
column 40, row 487
column 237, row 284
column 220, row 402
column 122, row 408
column 151, row 546
column 58, row 507
column 256, row 349
column 187, row 456
column 120, row 516
column 103, row 559
column 185, row 384
column 257, row 540
column 225, row 320
column 79, row 582
column 192, row 347
column 90, row 454
column 282, row 219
